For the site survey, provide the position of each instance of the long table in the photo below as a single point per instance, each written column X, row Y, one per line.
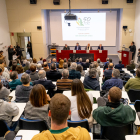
column 102, row 54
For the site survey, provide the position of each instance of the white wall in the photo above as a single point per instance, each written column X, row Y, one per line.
column 4, row 28
column 137, row 28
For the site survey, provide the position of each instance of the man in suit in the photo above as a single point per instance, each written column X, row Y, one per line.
column 66, row 47
column 100, row 47
column 77, row 47
column 10, row 52
column 119, row 66
column 53, row 74
column 132, row 49
column 88, row 47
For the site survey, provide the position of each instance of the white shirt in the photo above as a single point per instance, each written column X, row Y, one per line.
column 74, row 109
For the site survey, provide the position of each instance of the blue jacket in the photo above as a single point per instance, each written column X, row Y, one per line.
column 73, row 74
column 102, row 48
column 79, row 48
column 108, row 73
column 91, row 83
column 111, row 83
column 119, row 66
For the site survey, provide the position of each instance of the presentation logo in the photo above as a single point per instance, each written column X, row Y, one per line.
column 87, row 20
column 80, row 22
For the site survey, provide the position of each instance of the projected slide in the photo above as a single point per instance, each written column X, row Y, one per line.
column 89, row 26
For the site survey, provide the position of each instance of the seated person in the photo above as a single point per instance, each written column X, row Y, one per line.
column 7, row 112
column 133, row 83
column 27, row 66
column 90, row 67
column 80, row 61
column 88, row 47
column 46, row 83
column 114, row 81
column 20, row 71
column 107, row 61
column 4, row 93
column 73, row 74
column 53, row 74
column 69, row 64
column 33, row 74
column 37, row 108
column 119, row 66
column 108, row 72
column 100, row 47
column 46, row 67
column 66, row 47
column 77, row 61
column 106, row 65
column 23, row 91
column 54, row 61
column 131, row 66
column 5, row 75
column 41, row 60
column 64, row 83
column 77, row 47
column 61, row 62
column 65, row 66
column 59, row 111
column 97, row 67
column 49, row 63
column 100, row 63
column 80, row 69
column 114, row 113
column 86, row 65
column 90, row 82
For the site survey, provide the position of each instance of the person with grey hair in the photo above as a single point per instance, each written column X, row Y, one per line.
column 54, row 61
column 27, row 66
column 100, row 63
column 41, row 61
column 114, row 81
column 91, row 82
column 39, row 66
column 64, row 83
column 65, row 66
column 49, row 63
column 46, row 83
column 131, row 66
column 80, row 68
column 86, row 65
column 22, row 92
column 73, row 74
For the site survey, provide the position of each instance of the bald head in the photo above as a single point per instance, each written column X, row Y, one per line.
column 54, row 60
column 110, row 66
column 42, row 74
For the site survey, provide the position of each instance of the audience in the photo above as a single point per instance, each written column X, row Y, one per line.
column 80, row 69
column 97, row 67
column 34, row 61
column 59, row 111
column 33, row 74
column 46, row 67
column 22, row 92
column 107, row 61
column 108, row 72
column 41, row 61
column 69, row 63
column 54, row 61
column 61, row 62
column 64, row 83
column 65, row 60
column 86, row 65
column 77, row 61
column 131, row 66
column 114, row 81
column 90, row 82
column 5, row 69
column 81, row 102
column 100, row 63
column 119, row 66
column 73, row 74
column 39, row 66
column 37, row 107
column 65, row 66
column 80, row 61
column 106, row 65
column 133, row 83
column 20, row 71
column 114, row 113
column 27, row 66
column 49, row 63
column 5, row 75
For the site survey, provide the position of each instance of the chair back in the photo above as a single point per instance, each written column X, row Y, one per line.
column 117, row 133
column 3, row 128
column 82, row 123
column 137, row 105
column 32, row 124
column 134, row 95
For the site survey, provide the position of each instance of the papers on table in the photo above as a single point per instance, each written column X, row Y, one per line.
column 132, row 137
column 13, row 95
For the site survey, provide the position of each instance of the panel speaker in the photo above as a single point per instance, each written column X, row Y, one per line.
column 129, row 1
column 104, row 1
column 56, row 2
column 33, row 1
column 39, row 27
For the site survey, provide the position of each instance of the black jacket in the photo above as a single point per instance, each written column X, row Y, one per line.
column 68, row 48
column 10, row 53
column 53, row 75
column 132, row 48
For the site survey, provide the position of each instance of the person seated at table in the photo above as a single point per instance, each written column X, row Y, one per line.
column 41, row 60
column 64, row 83
column 33, row 74
column 66, row 47
column 114, row 113
column 100, row 47
column 59, row 112
column 20, row 71
column 39, row 66
column 65, row 66
column 45, row 82
column 4, row 93
column 86, row 65
column 73, row 74
column 80, row 69
column 108, row 72
column 46, row 67
column 53, row 74
column 77, row 47
column 131, row 66
column 90, row 82
column 81, row 103
column 37, row 108
column 61, row 62
column 119, row 66
column 88, row 47
column 90, row 67
column 7, row 112
column 133, row 83
column 22, row 92
column 114, row 81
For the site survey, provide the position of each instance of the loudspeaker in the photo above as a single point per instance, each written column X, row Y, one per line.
column 124, row 27
column 129, row 1
column 39, row 27
column 56, row 2
column 104, row 1
column 33, row 1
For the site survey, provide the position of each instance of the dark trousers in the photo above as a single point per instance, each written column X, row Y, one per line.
column 133, row 54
